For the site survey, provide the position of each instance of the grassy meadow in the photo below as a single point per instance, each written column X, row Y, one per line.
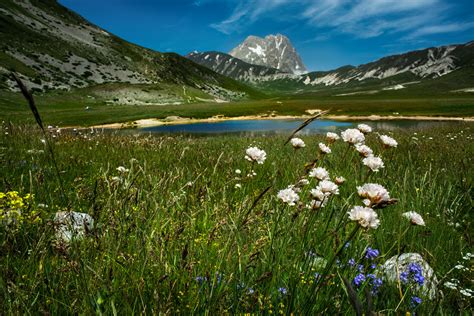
column 178, row 231
column 88, row 107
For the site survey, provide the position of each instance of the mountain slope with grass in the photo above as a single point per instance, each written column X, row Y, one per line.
column 51, row 47
column 445, row 69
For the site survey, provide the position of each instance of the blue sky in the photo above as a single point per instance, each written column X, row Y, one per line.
column 327, row 33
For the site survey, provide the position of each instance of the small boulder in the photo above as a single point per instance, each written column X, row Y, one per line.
column 396, row 265
column 71, row 225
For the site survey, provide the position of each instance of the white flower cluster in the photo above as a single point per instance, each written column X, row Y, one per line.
column 255, row 154
column 364, row 128
column 352, row 136
column 365, row 216
column 288, row 196
column 414, row 218
column 364, row 150
column 319, row 173
column 324, row 149
column 297, row 143
column 388, row 141
column 373, row 194
column 374, row 163
column 332, row 137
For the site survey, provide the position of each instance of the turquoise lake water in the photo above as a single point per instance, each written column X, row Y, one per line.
column 282, row 126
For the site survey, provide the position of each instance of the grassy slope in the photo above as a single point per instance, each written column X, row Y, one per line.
column 155, row 234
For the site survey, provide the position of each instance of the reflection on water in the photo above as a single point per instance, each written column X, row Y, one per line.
column 258, row 127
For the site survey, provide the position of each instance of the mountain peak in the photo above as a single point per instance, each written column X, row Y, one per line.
column 275, row 51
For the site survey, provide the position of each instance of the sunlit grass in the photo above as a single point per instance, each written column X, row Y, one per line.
column 173, row 233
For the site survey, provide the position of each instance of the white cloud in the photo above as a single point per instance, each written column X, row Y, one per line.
column 441, row 28
column 361, row 18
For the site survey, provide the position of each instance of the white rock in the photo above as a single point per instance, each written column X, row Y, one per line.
column 392, row 268
column 71, row 225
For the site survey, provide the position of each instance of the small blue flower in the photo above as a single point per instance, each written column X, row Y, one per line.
column 351, row 262
column 359, row 279
column 373, row 266
column 371, row 253
column 376, row 284
column 282, row 290
column 250, row 291
column 347, row 244
column 404, row 277
column 200, row 279
column 360, row 267
column 419, row 279
column 415, row 301
column 414, row 268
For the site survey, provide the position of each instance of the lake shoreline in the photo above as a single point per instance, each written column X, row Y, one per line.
column 176, row 120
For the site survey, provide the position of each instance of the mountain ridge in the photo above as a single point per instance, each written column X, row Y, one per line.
column 274, row 51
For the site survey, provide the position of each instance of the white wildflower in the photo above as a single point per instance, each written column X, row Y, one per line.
column 339, row 180
column 374, row 163
column 450, row 285
column 315, row 204
column 466, row 292
column 388, row 141
column 460, row 267
column 324, row 149
column 116, row 179
column 303, row 182
column 318, row 194
column 251, row 174
column 238, row 186
column 373, row 193
column 297, row 143
column 122, row 169
column 319, row 173
column 468, row 256
column 288, row 196
column 238, row 171
column 365, row 216
column 364, row 128
column 327, row 186
column 414, row 218
column 255, row 155
column 353, row 136
column 332, row 137
column 364, row 150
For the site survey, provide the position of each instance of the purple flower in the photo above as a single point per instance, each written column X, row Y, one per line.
column 414, row 268
column 351, row 262
column 404, row 277
column 347, row 244
column 360, row 267
column 250, row 291
column 371, row 253
column 419, row 279
column 359, row 279
column 282, row 290
column 373, row 266
column 376, row 284
column 200, row 279
column 415, row 301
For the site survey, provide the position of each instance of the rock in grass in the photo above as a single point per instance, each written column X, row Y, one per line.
column 72, row 225
column 395, row 267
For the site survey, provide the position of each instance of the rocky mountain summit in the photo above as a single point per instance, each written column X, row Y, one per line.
column 273, row 51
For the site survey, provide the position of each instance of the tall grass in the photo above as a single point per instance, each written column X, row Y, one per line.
column 175, row 235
